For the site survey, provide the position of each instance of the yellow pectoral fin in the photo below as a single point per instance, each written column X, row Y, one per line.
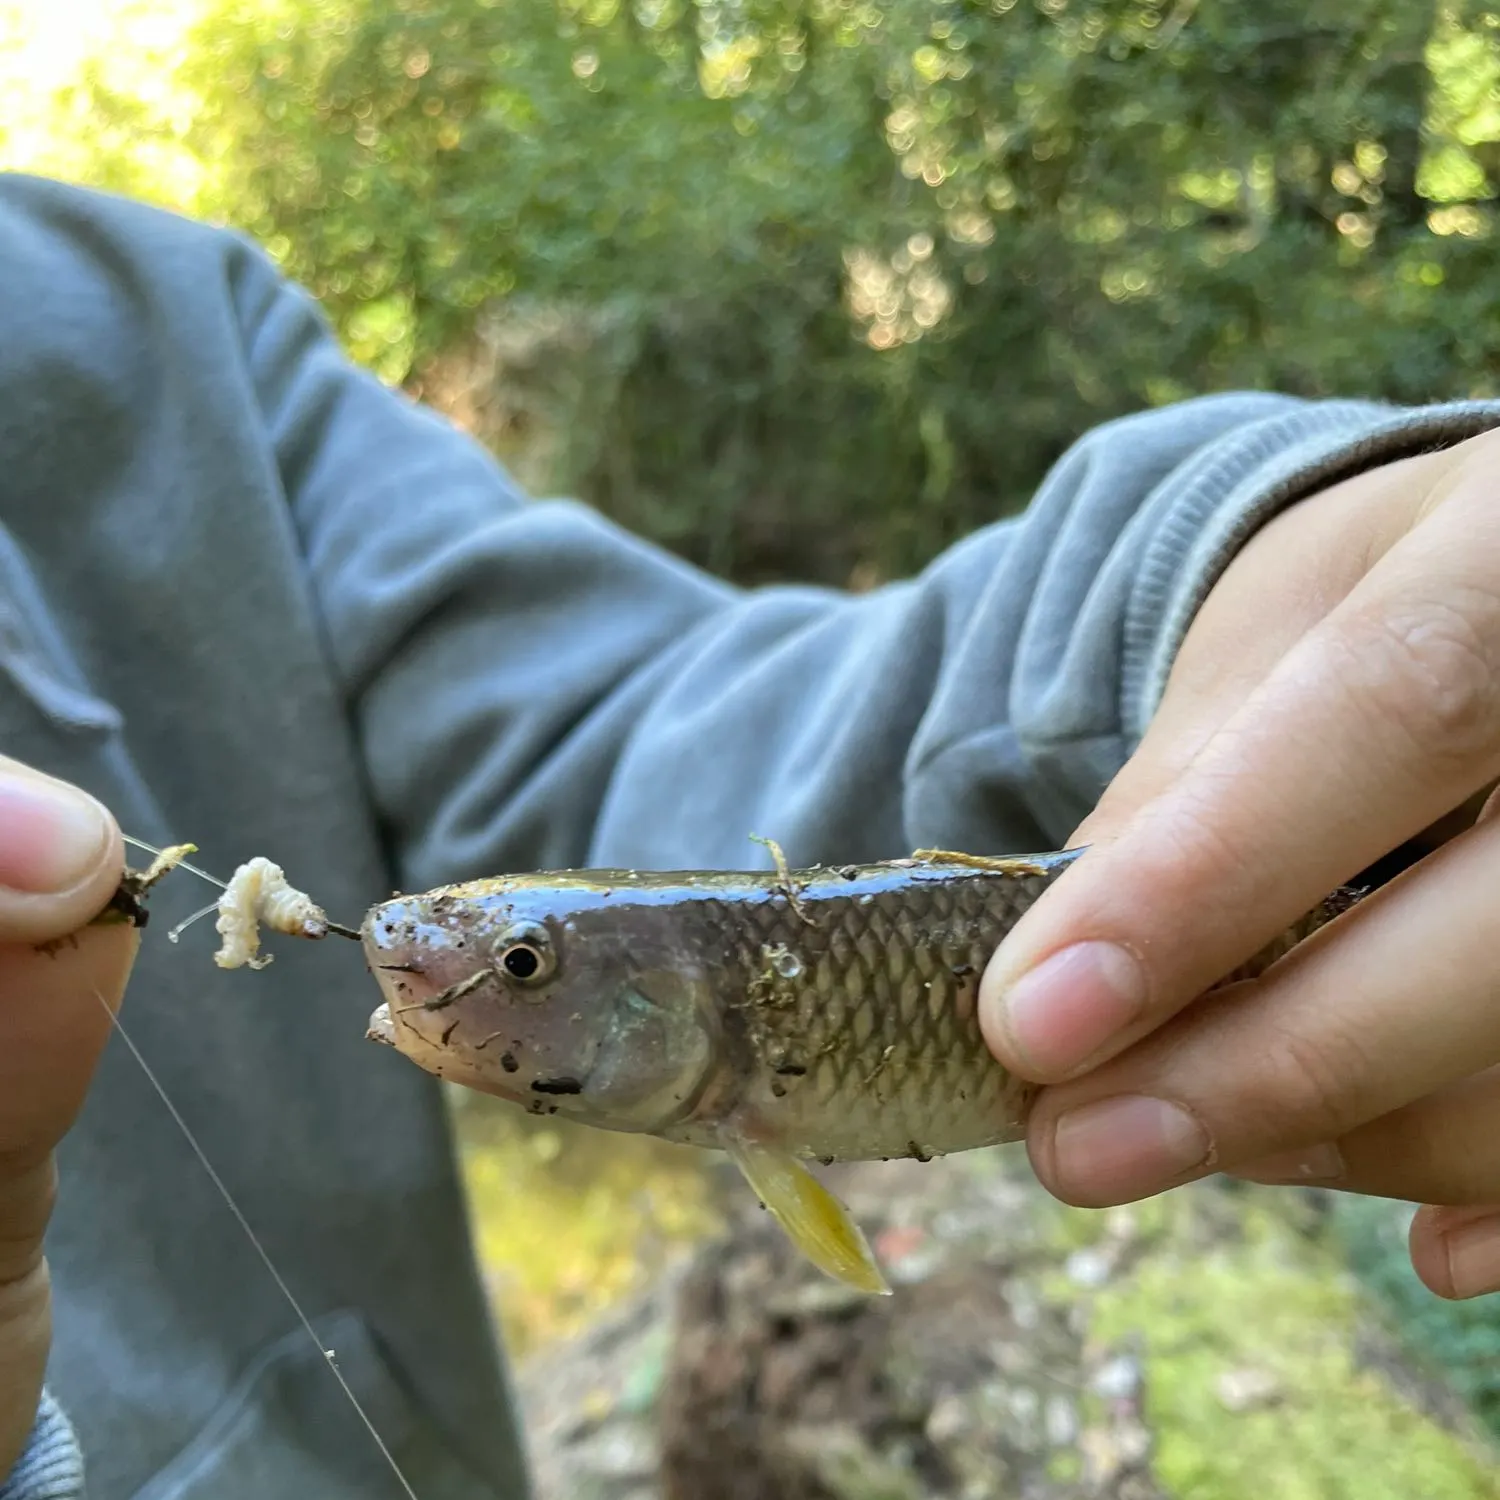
column 817, row 1223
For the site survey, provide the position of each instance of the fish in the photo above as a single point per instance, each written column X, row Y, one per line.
column 784, row 1017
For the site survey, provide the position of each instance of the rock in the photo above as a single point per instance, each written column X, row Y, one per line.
column 1118, row 1379
column 1243, row 1390
column 1089, row 1267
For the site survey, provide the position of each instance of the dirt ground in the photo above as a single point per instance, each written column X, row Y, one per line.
column 1207, row 1345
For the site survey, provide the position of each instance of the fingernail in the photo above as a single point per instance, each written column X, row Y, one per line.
column 1125, row 1148
column 1474, row 1257
column 1322, row 1163
column 1063, row 1011
column 51, row 836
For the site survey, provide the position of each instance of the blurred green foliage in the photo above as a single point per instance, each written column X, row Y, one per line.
column 811, row 287
column 1460, row 1339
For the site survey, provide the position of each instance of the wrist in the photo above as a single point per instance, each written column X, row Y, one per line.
column 50, row 1466
column 25, row 1339
column 1236, row 494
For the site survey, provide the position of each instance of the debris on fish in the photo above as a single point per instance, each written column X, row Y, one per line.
column 128, row 904
column 783, row 1017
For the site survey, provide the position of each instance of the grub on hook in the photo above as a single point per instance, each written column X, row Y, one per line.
column 258, row 894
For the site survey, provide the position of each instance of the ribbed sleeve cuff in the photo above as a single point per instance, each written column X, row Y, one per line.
column 1242, row 484
column 51, row 1468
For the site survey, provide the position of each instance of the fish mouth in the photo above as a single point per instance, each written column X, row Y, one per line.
column 433, row 1054
column 415, row 1019
column 381, row 1027
column 417, row 960
column 408, row 992
column 422, row 967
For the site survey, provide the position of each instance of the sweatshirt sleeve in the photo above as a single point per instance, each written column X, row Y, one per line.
column 535, row 688
column 51, row 1467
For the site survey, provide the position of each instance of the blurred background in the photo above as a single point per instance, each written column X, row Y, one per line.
column 806, row 289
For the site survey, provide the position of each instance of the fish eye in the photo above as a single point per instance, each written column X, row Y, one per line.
column 524, row 953
column 521, row 961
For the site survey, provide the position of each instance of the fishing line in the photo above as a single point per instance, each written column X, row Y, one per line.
column 182, row 926
column 182, row 864
column 327, row 1355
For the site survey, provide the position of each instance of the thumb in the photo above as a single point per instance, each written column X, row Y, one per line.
column 60, row 860
column 61, row 856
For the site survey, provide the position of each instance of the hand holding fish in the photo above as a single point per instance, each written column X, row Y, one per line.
column 1337, row 697
column 60, row 858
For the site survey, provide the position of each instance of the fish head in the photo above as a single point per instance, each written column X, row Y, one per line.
column 539, row 990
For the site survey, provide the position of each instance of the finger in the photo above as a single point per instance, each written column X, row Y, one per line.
column 1444, row 1148
column 60, row 859
column 1376, row 723
column 53, row 1026
column 1392, row 1003
column 60, row 855
column 1456, row 1251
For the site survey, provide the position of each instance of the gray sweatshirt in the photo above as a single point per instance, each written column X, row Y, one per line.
column 253, row 599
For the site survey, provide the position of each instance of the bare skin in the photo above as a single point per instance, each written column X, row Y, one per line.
column 1337, row 697
column 59, row 864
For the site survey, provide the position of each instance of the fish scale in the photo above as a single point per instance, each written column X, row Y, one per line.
column 880, row 1010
